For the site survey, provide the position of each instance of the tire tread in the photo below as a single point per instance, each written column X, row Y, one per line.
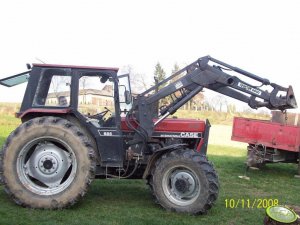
column 50, row 120
column 206, row 167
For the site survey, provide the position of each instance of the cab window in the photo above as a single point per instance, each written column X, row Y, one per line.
column 96, row 99
column 54, row 89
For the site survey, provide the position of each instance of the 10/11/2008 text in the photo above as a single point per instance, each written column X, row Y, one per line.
column 259, row 203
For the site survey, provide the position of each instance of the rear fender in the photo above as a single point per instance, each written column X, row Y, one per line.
column 65, row 114
column 39, row 112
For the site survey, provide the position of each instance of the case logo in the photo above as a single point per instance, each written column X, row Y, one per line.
column 189, row 135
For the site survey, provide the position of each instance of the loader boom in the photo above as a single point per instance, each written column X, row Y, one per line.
column 208, row 72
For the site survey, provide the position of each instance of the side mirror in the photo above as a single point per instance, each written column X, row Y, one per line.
column 127, row 97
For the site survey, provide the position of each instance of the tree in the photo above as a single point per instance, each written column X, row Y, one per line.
column 198, row 101
column 138, row 82
column 218, row 102
column 159, row 75
column 231, row 108
column 175, row 68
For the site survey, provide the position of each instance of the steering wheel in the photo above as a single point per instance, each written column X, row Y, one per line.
column 100, row 116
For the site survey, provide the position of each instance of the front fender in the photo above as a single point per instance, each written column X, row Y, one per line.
column 158, row 153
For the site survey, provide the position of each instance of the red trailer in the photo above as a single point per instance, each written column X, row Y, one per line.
column 268, row 141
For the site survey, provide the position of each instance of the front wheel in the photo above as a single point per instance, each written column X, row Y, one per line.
column 184, row 181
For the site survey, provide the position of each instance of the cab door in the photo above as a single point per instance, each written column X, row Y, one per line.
column 110, row 136
column 98, row 107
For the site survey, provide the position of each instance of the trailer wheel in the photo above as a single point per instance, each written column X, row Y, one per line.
column 47, row 163
column 184, row 181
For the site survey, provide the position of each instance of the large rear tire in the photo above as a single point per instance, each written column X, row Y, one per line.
column 184, row 181
column 47, row 163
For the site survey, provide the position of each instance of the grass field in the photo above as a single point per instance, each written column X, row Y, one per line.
column 130, row 202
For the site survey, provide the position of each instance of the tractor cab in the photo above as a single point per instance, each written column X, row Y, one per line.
column 93, row 96
column 95, row 92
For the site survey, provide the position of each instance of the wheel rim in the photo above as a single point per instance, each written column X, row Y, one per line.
column 181, row 185
column 46, row 165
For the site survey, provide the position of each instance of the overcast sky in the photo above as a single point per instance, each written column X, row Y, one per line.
column 262, row 37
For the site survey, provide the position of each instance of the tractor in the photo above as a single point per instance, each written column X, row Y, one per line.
column 50, row 160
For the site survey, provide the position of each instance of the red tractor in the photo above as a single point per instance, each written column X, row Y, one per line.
column 52, row 157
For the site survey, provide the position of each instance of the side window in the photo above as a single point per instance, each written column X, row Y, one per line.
column 53, row 89
column 96, row 95
column 59, row 92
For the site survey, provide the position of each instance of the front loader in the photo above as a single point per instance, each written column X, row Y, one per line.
column 51, row 158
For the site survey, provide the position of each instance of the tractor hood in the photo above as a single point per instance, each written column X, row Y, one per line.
column 172, row 125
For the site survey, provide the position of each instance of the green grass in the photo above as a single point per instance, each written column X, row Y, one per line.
column 130, row 202
column 7, row 124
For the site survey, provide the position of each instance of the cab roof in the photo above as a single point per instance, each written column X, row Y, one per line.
column 76, row 67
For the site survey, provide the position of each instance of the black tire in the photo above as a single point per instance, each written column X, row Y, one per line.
column 196, row 187
column 69, row 179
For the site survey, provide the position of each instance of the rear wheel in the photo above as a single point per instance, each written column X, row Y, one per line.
column 47, row 162
column 184, row 181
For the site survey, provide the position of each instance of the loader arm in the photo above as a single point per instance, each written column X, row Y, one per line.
column 209, row 73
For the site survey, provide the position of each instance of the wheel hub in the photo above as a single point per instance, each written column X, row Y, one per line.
column 48, row 164
column 183, row 186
